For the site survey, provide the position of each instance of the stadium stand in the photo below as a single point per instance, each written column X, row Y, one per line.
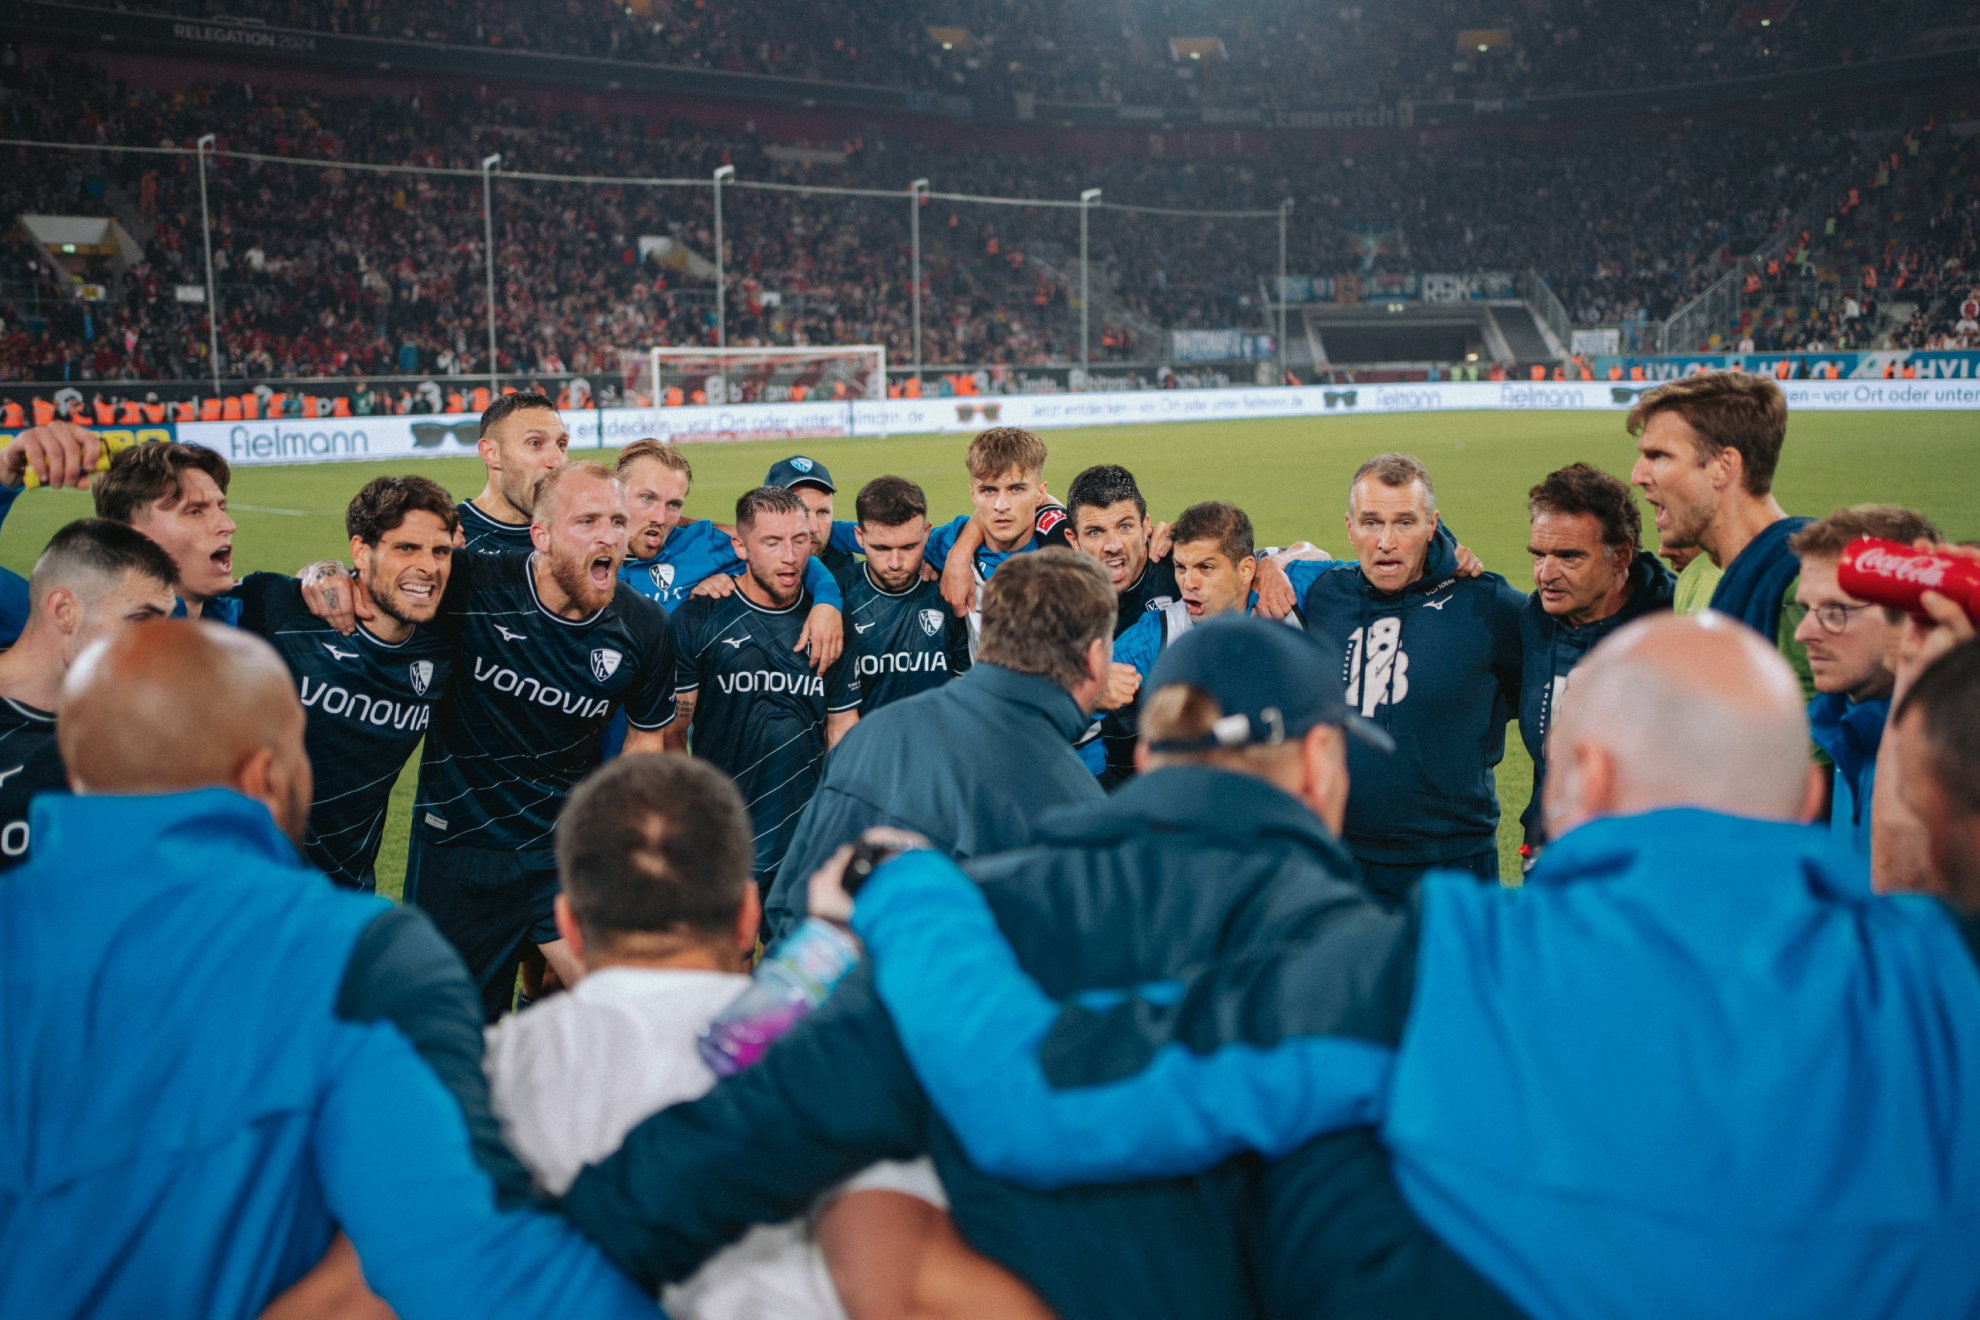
column 326, row 271
column 1157, row 51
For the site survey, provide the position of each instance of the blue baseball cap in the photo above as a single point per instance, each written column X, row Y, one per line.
column 1272, row 682
column 797, row 470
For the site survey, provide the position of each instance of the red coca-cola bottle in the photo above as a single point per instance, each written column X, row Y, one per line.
column 1886, row 573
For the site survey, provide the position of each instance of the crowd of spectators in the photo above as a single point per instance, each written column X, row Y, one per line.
column 1274, row 53
column 323, row 269
column 1897, row 233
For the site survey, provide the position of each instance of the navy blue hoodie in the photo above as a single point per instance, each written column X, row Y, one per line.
column 1552, row 648
column 1444, row 681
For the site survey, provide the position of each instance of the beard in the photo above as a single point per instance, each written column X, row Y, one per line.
column 773, row 591
column 1683, row 527
column 388, row 601
column 573, row 577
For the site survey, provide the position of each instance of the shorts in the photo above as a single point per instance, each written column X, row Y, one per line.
column 490, row 904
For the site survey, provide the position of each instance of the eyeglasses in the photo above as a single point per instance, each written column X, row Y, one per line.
column 1835, row 618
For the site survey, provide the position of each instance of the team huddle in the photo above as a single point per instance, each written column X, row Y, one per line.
column 1145, row 813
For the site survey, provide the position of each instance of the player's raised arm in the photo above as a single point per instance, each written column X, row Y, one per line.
column 53, row 456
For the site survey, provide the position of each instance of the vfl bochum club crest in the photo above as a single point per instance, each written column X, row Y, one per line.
column 422, row 674
column 931, row 622
column 605, row 663
column 663, row 576
column 802, row 464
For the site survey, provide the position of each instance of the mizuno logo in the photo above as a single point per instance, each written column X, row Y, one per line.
column 339, row 655
column 861, row 627
column 1438, row 604
column 5, row 775
column 508, row 636
column 734, row 641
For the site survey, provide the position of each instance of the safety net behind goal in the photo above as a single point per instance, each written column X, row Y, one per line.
column 676, row 376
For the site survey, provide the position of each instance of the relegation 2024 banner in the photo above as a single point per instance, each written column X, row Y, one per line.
column 299, row 440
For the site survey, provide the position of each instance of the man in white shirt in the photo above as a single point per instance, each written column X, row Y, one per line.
column 655, row 855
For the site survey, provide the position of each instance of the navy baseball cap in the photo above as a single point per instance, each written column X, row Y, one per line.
column 797, row 470
column 1272, row 682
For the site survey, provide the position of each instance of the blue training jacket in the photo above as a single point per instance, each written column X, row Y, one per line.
column 211, row 1059
column 1437, row 664
column 1850, row 732
column 1179, row 869
column 1693, row 1068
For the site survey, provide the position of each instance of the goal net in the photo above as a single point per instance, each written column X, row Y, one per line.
column 846, row 373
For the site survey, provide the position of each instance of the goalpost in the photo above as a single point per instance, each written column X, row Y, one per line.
column 841, row 373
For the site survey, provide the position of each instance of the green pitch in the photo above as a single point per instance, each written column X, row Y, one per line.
column 1290, row 476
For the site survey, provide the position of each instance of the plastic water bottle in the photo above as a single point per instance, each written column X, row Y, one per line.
column 794, row 978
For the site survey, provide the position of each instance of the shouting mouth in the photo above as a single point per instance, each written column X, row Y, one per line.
column 602, row 570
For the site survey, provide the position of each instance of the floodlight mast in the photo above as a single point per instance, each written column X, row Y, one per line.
column 488, row 164
column 1086, row 201
column 206, row 144
column 916, row 191
column 721, row 276
column 1285, row 211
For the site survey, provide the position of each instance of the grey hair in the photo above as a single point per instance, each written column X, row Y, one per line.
column 1396, row 471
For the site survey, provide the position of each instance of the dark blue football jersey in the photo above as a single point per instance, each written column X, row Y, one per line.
column 531, row 693
column 30, row 763
column 759, row 710
column 907, row 643
column 491, row 536
column 368, row 703
column 1154, row 591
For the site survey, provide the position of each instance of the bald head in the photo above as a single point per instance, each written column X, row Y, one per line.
column 180, row 705
column 1675, row 711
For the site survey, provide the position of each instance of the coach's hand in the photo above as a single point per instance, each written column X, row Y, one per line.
column 1276, row 597
column 1159, row 540
column 1123, row 681
column 332, row 596
column 1469, row 565
column 825, row 634
column 61, row 454
column 716, row 586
